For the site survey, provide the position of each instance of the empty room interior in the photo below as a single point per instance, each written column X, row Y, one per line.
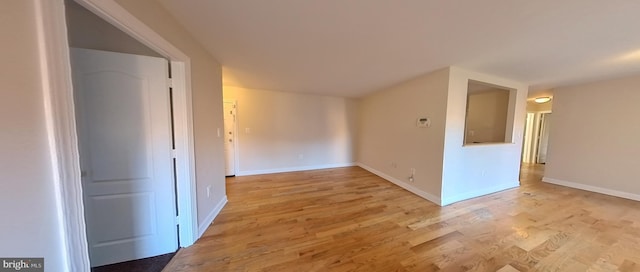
column 166, row 135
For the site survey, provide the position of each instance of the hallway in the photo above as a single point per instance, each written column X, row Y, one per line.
column 531, row 173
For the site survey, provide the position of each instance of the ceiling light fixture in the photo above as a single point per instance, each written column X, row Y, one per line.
column 543, row 99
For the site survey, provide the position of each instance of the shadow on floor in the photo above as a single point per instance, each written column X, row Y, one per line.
column 153, row 264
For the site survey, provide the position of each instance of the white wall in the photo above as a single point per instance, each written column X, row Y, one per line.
column 475, row 170
column 390, row 144
column 594, row 140
column 30, row 226
column 206, row 77
column 291, row 131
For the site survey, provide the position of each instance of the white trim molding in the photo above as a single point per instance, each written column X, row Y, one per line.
column 478, row 193
column 185, row 152
column 408, row 187
column 57, row 89
column 591, row 188
column 292, row 169
column 212, row 215
column 116, row 15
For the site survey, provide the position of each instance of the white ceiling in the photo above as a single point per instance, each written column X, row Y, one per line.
column 350, row 48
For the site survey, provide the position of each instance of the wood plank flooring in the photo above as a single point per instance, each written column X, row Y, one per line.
column 347, row 219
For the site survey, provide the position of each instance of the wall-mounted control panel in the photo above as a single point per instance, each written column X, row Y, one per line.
column 423, row 122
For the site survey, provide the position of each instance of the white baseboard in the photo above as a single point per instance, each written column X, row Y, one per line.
column 591, row 188
column 202, row 227
column 477, row 193
column 402, row 184
column 293, row 169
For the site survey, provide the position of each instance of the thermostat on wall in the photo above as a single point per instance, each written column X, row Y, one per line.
column 423, row 122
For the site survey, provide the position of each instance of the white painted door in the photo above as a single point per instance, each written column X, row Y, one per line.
column 229, row 137
column 124, row 131
column 545, row 121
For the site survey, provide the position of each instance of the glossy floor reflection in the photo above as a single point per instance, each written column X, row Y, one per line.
column 348, row 219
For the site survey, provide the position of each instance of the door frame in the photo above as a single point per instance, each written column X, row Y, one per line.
column 59, row 112
column 236, row 160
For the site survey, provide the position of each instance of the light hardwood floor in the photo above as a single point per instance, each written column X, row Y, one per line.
column 348, row 219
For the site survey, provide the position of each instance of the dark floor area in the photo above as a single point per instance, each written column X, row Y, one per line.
column 153, row 264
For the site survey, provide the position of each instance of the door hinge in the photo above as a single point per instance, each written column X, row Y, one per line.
column 170, row 82
column 177, row 220
column 174, row 154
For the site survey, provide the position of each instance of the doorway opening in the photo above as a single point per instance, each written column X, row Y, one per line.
column 61, row 127
column 536, row 140
column 87, row 30
column 536, row 137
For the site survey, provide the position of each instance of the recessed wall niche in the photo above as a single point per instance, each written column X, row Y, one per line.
column 490, row 113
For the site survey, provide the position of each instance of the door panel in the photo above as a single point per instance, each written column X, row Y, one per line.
column 229, row 138
column 105, row 231
column 123, row 115
column 119, row 139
